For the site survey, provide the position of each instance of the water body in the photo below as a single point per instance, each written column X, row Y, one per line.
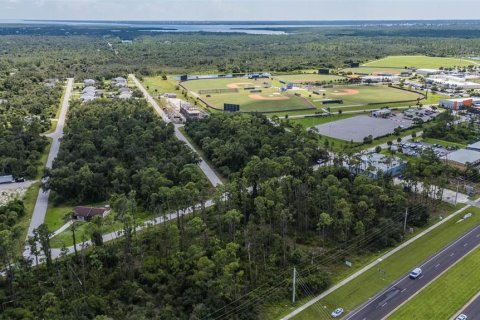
column 248, row 27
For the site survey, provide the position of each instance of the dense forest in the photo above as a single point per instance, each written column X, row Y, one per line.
column 99, row 53
column 118, row 147
column 27, row 105
column 196, row 268
column 230, row 141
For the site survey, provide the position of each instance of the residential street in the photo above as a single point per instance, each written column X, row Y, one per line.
column 42, row 200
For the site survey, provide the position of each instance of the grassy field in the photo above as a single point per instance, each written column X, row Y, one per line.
column 269, row 100
column 419, row 62
column 373, row 70
column 356, row 292
column 155, row 85
column 447, row 295
column 361, row 95
column 308, row 77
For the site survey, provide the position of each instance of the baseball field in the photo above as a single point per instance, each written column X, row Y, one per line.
column 419, row 62
column 356, row 95
column 239, row 91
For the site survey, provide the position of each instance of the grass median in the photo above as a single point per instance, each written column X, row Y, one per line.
column 444, row 297
column 371, row 282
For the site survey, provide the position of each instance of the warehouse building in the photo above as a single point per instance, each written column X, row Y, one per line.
column 462, row 157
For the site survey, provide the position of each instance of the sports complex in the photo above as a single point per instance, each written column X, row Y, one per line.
column 306, row 92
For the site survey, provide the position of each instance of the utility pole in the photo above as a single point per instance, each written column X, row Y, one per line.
column 456, row 193
column 294, row 284
column 405, row 222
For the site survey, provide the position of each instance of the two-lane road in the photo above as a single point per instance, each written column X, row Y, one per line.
column 207, row 170
column 40, row 209
column 384, row 303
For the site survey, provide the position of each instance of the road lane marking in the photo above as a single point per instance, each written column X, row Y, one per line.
column 451, row 254
column 404, row 290
column 437, row 265
column 466, row 244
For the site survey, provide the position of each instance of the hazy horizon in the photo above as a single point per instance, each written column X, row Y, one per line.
column 239, row 10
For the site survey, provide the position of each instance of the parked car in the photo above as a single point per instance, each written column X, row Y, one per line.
column 461, row 317
column 337, row 312
column 20, row 180
column 417, row 272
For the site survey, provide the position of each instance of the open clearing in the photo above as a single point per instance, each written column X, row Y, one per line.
column 445, row 296
column 374, row 70
column 268, row 100
column 419, row 62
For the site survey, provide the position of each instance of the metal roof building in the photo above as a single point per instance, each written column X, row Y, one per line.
column 463, row 156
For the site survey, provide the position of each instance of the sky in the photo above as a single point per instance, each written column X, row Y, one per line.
column 164, row 10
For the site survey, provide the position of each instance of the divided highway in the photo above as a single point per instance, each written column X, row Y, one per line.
column 387, row 301
column 471, row 309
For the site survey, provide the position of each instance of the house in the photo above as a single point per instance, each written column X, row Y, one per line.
column 119, row 82
column 125, row 95
column 89, row 89
column 89, row 82
column 50, row 83
column 6, row 179
column 88, row 96
column 87, row 213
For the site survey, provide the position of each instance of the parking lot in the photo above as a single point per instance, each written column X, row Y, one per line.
column 414, row 149
column 359, row 127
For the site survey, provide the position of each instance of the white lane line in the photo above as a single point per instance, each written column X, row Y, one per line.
column 404, row 290
column 437, row 265
column 465, row 244
column 383, row 305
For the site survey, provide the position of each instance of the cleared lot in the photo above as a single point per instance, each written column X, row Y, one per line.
column 357, row 128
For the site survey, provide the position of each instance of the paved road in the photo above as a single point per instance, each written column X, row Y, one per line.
column 207, row 170
column 387, row 301
column 371, row 265
column 42, row 200
column 471, row 309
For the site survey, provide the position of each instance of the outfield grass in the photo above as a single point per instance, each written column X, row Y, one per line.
column 374, row 70
column 356, row 292
column 444, row 297
column 308, row 77
column 419, row 62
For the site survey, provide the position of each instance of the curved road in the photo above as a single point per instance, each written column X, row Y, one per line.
column 387, row 301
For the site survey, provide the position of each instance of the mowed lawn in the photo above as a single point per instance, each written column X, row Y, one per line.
column 374, row 70
column 248, row 104
column 308, row 77
column 356, row 292
column 420, row 62
column 444, row 297
column 366, row 95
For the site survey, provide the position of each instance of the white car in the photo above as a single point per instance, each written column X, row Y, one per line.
column 417, row 272
column 461, row 317
column 337, row 312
